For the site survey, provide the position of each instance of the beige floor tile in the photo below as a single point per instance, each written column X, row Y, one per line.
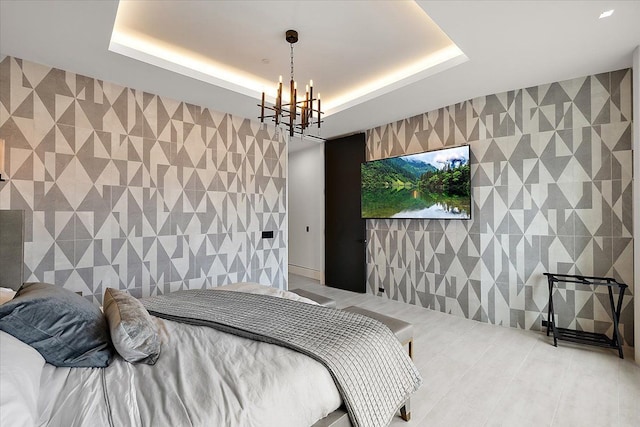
column 581, row 415
column 629, row 393
column 523, row 405
column 543, row 376
column 441, row 374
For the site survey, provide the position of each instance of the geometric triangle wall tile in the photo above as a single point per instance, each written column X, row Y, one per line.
column 557, row 148
column 85, row 158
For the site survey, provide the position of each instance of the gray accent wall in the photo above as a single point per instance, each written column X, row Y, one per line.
column 125, row 189
column 552, row 191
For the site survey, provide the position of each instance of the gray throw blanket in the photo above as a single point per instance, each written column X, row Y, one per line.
column 372, row 372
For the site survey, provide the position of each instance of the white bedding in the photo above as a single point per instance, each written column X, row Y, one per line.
column 203, row 378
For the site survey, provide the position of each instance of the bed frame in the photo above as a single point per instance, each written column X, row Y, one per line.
column 338, row 418
column 12, row 248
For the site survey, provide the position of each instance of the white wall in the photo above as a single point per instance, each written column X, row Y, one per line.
column 636, row 197
column 306, row 209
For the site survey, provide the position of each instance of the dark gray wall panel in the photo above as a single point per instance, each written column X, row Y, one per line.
column 11, row 248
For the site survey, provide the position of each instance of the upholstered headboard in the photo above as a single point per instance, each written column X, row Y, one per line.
column 11, row 248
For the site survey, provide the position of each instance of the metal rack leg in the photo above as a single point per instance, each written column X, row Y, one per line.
column 551, row 315
column 615, row 315
column 549, row 304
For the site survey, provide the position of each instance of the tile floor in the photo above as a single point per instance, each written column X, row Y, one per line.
column 476, row 374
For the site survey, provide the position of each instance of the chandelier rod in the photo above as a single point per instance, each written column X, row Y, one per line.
column 291, row 44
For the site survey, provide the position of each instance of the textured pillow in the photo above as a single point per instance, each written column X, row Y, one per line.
column 66, row 329
column 133, row 332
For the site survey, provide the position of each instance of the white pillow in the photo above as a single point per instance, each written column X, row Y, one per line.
column 6, row 294
column 256, row 288
column 20, row 369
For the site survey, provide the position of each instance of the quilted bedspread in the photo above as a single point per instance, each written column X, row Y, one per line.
column 372, row 371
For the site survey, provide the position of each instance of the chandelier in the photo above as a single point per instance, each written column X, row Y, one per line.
column 296, row 114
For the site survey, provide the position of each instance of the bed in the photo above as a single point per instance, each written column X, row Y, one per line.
column 202, row 376
column 83, row 367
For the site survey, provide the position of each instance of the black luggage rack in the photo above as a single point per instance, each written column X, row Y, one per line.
column 583, row 337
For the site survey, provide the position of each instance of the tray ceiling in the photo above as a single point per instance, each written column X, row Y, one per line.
column 344, row 45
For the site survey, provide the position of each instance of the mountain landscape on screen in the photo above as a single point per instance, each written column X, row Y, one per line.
column 430, row 185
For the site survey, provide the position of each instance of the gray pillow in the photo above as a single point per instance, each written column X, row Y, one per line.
column 66, row 329
column 133, row 331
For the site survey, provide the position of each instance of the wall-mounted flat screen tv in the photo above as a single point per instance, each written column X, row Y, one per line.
column 430, row 185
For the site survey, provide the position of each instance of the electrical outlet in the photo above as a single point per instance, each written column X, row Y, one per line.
column 381, row 290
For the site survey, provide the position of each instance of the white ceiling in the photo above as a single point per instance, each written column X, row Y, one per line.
column 509, row 45
column 228, row 44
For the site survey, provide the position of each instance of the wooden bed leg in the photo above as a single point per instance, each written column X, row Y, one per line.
column 411, row 348
column 405, row 411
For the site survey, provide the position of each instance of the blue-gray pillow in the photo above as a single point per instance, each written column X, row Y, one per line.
column 66, row 329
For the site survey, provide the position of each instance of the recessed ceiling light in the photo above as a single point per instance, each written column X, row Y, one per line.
column 606, row 14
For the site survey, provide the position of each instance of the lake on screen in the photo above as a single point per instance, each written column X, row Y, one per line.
column 412, row 203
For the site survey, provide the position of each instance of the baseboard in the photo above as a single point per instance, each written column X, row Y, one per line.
column 306, row 272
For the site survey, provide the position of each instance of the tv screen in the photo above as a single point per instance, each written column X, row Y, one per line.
column 430, row 185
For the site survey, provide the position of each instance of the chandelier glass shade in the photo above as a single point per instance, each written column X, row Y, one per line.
column 296, row 114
